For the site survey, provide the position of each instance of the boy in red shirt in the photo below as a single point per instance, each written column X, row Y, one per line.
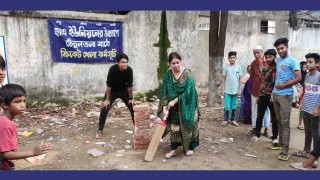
column 13, row 102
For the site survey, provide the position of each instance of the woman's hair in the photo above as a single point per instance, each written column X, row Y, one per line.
column 122, row 56
column 2, row 62
column 302, row 63
column 174, row 55
column 10, row 91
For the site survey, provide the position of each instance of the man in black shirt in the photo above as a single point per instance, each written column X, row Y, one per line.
column 119, row 85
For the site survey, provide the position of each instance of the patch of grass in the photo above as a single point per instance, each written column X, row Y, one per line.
column 147, row 96
column 152, row 93
column 55, row 101
column 98, row 98
column 63, row 101
column 139, row 96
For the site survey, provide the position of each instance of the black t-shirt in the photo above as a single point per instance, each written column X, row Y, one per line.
column 118, row 80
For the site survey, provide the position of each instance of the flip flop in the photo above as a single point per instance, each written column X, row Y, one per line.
column 300, row 127
column 315, row 164
column 299, row 166
column 283, row 156
column 299, row 154
column 170, row 154
column 98, row 135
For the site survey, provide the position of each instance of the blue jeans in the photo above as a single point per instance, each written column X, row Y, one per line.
column 240, row 115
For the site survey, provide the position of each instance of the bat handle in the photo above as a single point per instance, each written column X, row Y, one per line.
column 163, row 122
column 165, row 115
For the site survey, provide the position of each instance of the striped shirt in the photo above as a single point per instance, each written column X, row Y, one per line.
column 312, row 92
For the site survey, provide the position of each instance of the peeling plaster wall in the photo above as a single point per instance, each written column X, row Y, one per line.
column 30, row 62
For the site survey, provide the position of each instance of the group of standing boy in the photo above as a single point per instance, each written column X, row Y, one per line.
column 272, row 78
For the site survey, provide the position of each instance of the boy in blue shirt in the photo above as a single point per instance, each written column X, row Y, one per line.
column 231, row 88
column 288, row 74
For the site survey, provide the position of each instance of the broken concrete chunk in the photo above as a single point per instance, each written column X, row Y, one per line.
column 100, row 143
column 127, row 147
column 95, row 152
column 129, row 131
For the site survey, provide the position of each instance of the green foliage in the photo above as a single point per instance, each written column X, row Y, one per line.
column 63, row 101
column 138, row 96
column 98, row 98
column 150, row 95
column 163, row 44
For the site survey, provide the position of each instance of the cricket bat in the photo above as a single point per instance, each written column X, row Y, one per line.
column 153, row 146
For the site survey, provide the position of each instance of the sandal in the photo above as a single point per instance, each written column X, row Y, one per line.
column 299, row 154
column 266, row 133
column 283, row 156
column 299, row 166
column 315, row 164
column 251, row 132
column 255, row 139
column 224, row 123
column 99, row 135
column 234, row 123
column 170, row 154
column 189, row 153
column 300, row 127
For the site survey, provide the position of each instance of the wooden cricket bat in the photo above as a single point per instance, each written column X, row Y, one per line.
column 153, row 146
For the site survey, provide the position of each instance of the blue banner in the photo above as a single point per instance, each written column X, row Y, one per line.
column 76, row 41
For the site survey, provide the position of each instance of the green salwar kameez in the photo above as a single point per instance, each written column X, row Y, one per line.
column 183, row 118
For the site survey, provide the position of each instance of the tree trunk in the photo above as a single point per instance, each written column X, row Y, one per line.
column 217, row 40
column 293, row 20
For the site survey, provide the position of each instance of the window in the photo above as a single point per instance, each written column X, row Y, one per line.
column 268, row 27
column 315, row 25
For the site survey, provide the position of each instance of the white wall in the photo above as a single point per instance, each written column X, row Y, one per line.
column 30, row 63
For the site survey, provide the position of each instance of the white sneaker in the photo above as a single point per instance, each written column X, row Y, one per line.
column 255, row 139
column 275, row 141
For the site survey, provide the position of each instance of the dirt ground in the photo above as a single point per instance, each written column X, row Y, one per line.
column 71, row 132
